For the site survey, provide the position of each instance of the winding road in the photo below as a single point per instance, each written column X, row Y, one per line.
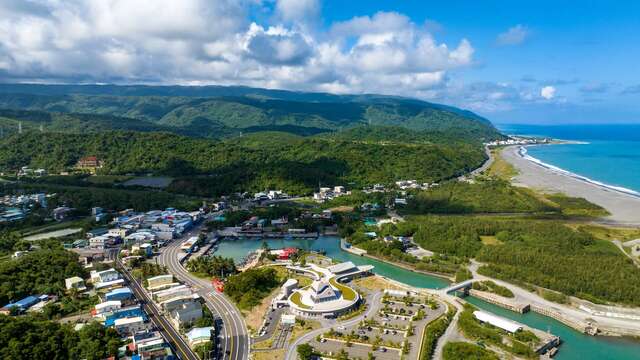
column 235, row 338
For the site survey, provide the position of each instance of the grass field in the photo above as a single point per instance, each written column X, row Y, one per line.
column 500, row 168
column 608, row 233
column 490, row 240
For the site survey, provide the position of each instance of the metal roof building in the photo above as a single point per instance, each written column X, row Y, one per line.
column 497, row 321
column 342, row 267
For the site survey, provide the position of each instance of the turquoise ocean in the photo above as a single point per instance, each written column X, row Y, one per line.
column 609, row 154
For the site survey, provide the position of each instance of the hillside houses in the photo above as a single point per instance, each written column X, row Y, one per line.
column 327, row 194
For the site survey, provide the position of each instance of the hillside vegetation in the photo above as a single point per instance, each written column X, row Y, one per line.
column 217, row 112
column 264, row 160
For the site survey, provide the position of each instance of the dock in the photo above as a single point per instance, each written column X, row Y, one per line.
column 238, row 233
column 586, row 328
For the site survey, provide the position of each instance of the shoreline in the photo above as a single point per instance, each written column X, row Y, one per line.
column 620, row 202
column 522, row 151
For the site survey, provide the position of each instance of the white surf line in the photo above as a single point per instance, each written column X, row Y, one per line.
column 522, row 152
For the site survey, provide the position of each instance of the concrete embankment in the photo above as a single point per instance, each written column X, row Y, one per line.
column 361, row 252
column 520, row 307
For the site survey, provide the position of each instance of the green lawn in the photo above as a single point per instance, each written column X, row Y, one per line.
column 347, row 292
column 296, row 300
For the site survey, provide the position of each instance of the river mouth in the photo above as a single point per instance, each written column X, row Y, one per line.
column 575, row 345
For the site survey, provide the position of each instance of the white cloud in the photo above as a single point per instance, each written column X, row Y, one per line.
column 213, row 42
column 514, row 36
column 548, row 92
column 297, row 10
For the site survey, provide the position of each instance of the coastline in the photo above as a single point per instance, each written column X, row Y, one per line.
column 522, row 151
column 622, row 203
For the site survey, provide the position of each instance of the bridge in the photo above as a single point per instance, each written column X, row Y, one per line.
column 466, row 285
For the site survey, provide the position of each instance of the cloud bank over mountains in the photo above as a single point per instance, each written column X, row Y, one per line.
column 201, row 42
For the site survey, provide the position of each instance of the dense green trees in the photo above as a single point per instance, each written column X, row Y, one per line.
column 229, row 111
column 38, row 272
column 83, row 198
column 305, row 351
column 474, row 329
column 463, row 350
column 248, row 288
column 545, row 253
column 296, row 165
column 484, row 196
column 32, row 338
column 212, row 266
column 433, row 332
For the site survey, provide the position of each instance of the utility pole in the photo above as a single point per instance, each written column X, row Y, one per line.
column 20, row 127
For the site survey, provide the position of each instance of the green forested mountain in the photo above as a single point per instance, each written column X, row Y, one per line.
column 257, row 161
column 216, row 112
column 219, row 139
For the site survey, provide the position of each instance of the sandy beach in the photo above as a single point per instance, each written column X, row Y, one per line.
column 624, row 208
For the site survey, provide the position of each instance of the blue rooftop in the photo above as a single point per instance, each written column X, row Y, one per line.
column 119, row 294
column 25, row 303
column 123, row 290
column 124, row 313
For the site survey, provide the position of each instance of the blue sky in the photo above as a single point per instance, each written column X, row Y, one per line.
column 512, row 61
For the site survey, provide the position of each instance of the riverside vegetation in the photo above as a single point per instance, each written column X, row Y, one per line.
column 535, row 243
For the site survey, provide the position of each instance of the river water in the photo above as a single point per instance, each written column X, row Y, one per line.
column 576, row 346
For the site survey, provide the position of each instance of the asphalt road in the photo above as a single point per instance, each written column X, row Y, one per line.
column 177, row 342
column 235, row 338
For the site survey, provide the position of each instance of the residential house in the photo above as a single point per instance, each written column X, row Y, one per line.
column 200, row 335
column 186, row 314
column 74, row 282
column 129, row 326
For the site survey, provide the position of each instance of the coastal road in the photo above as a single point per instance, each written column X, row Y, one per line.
column 292, row 353
column 235, row 338
column 622, row 206
column 485, row 165
column 177, row 342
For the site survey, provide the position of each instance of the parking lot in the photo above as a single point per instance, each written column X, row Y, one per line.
column 396, row 321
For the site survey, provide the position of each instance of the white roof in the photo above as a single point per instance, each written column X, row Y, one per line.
column 109, row 283
column 338, row 268
column 106, row 304
column 160, row 277
column 497, row 321
column 129, row 320
column 290, row 282
column 288, row 319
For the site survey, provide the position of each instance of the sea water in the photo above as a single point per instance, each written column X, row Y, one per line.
column 606, row 153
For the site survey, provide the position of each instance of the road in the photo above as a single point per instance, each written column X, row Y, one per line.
column 375, row 304
column 235, row 338
column 177, row 342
